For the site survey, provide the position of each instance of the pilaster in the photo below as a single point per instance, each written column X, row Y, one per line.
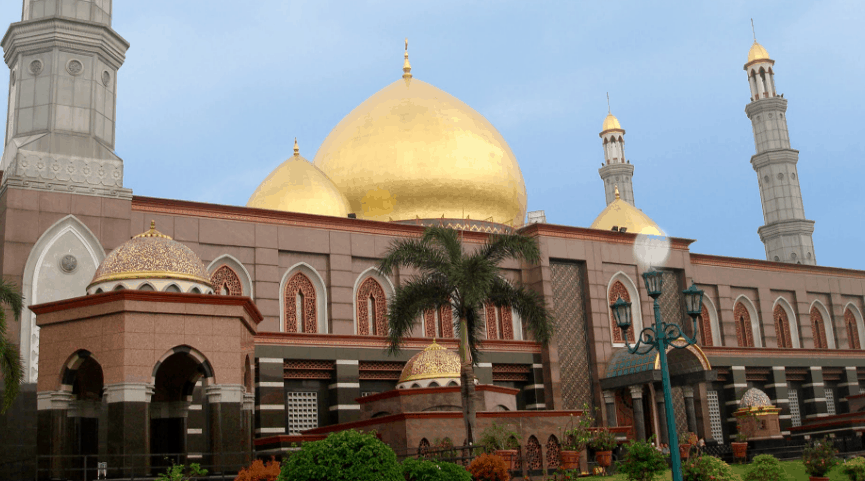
column 227, row 438
column 849, row 386
column 534, row 393
column 814, row 394
column 610, row 406
column 344, row 392
column 733, row 392
column 270, row 416
column 129, row 426
column 777, row 390
column 690, row 409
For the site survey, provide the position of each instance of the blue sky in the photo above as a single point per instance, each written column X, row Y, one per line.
column 213, row 92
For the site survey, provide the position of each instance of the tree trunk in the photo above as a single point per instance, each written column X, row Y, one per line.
column 467, row 382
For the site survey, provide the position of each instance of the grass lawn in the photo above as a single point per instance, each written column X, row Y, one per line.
column 795, row 472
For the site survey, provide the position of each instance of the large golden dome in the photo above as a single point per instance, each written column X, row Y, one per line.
column 298, row 186
column 434, row 362
column 622, row 214
column 757, row 52
column 151, row 255
column 414, row 151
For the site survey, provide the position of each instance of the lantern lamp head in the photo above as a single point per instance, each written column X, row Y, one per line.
column 693, row 300
column 654, row 281
column 622, row 310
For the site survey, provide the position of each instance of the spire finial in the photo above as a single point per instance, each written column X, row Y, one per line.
column 609, row 111
column 406, row 67
column 152, row 225
column 753, row 32
column 296, row 148
column 617, row 191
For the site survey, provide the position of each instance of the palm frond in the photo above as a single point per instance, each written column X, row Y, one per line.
column 510, row 246
column 409, row 302
column 13, row 372
column 448, row 239
column 10, row 295
column 530, row 305
column 415, row 252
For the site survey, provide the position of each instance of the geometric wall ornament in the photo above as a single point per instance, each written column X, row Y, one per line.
column 569, row 310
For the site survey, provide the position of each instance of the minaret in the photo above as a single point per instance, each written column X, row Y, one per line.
column 616, row 170
column 786, row 233
column 63, row 58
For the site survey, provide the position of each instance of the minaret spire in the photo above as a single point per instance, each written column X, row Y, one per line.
column 609, row 111
column 616, row 170
column 786, row 233
column 753, row 32
column 406, row 66
column 296, row 148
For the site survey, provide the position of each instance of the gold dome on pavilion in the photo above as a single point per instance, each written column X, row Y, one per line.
column 610, row 123
column 298, row 186
column 622, row 214
column 757, row 52
column 414, row 151
column 151, row 255
column 434, row 362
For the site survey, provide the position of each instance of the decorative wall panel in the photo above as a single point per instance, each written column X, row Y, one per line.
column 568, row 281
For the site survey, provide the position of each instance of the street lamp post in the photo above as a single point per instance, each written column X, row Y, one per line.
column 660, row 336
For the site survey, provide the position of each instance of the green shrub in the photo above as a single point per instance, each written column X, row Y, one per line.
column 701, row 468
column 642, row 462
column 498, row 436
column 854, row 468
column 179, row 472
column 603, row 440
column 343, row 456
column 423, row 470
column 489, row 467
column 765, row 467
column 819, row 457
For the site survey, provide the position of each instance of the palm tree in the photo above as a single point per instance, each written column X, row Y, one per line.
column 447, row 275
column 10, row 356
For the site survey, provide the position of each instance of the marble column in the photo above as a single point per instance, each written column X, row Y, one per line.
column 639, row 417
column 848, row 387
column 343, row 392
column 691, row 412
column 270, row 416
column 814, row 394
column 663, row 434
column 227, row 440
column 53, row 428
column 128, row 428
column 610, row 404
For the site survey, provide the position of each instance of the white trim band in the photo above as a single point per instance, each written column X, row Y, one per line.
column 193, row 431
column 270, row 407
column 270, row 384
column 345, row 407
column 270, row 360
column 536, row 406
column 270, row 431
column 533, row 387
column 340, row 385
column 347, row 362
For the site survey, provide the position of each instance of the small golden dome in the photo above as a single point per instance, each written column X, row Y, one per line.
column 757, row 52
column 622, row 214
column 610, row 123
column 298, row 186
column 151, row 255
column 434, row 362
column 414, row 151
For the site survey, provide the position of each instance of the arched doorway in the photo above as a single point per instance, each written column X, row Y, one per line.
column 175, row 378
column 82, row 376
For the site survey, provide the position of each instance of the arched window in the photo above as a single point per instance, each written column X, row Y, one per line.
column 744, row 334
column 818, row 329
column 533, row 454
column 705, row 324
column 172, row 288
column 618, row 290
column 301, row 314
column 500, row 321
column 782, row 327
column 553, row 450
column 371, row 309
column 852, row 329
column 423, row 447
column 226, row 282
column 439, row 322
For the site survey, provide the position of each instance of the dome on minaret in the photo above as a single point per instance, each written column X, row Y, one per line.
column 297, row 185
column 611, row 123
column 757, row 52
column 622, row 214
column 413, row 151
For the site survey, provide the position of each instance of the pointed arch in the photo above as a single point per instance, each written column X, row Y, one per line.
column 636, row 311
column 533, row 453
column 204, row 369
column 371, row 293
column 44, row 281
column 172, row 288
column 300, row 305
column 439, row 322
column 857, row 329
column 821, row 326
column 234, row 273
column 747, row 322
column 145, row 286
column 792, row 324
column 320, row 293
column 553, row 451
column 709, row 318
column 423, row 447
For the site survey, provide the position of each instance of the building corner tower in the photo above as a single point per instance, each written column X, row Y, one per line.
column 616, row 170
column 63, row 59
column 786, row 232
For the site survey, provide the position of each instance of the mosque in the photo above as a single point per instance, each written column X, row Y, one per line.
column 162, row 326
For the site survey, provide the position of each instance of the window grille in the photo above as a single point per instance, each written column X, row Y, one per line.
column 830, row 401
column 302, row 411
column 715, row 416
column 795, row 414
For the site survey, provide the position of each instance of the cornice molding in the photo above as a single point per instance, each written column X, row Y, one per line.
column 585, row 233
column 381, row 342
column 45, row 33
column 740, row 263
column 787, row 353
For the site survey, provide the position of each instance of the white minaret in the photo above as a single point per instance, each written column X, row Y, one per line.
column 63, row 58
column 786, row 233
column 616, row 170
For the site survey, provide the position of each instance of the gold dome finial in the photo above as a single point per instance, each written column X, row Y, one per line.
column 753, row 32
column 406, row 67
column 617, row 191
column 296, row 148
column 152, row 224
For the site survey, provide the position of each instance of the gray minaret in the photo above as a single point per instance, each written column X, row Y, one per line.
column 786, row 233
column 616, row 170
column 63, row 58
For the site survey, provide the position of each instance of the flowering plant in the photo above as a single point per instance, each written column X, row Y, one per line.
column 701, row 468
column 819, row 457
column 603, row 440
column 577, row 436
